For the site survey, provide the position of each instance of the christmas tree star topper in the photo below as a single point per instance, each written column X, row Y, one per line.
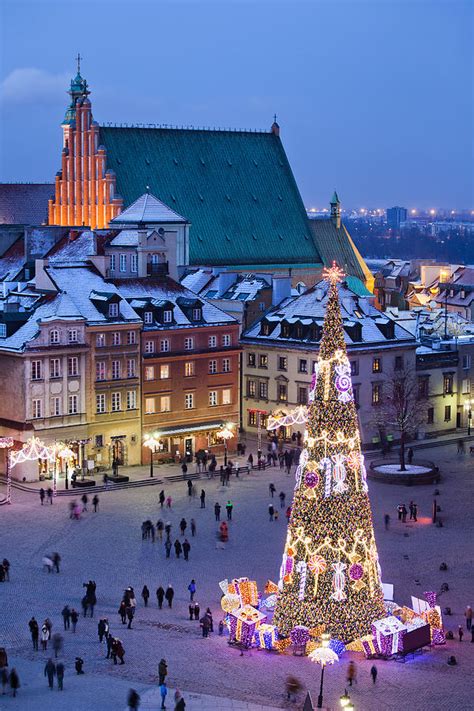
column 334, row 274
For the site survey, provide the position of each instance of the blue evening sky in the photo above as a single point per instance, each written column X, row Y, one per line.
column 374, row 97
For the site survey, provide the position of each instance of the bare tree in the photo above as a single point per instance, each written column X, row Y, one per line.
column 403, row 407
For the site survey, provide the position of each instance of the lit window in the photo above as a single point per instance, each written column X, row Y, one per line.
column 123, row 263
column 100, row 403
column 55, row 406
column 263, row 390
column 149, row 372
column 282, row 392
column 226, row 397
column 116, row 338
column 263, row 361
column 72, row 405
column 448, row 381
column 100, row 372
column 226, row 340
column 131, row 400
column 189, row 401
column 188, row 344
column 302, row 366
column 113, row 310
column 54, row 368
column 116, row 402
column 116, row 370
column 164, row 372
column 149, row 346
column 251, row 360
column 72, row 336
column 167, row 316
column 148, row 318
column 36, row 370
column 213, row 366
column 73, row 366
column 376, row 365
column 54, row 336
column 376, row 393
column 131, row 368
column 282, row 363
column 189, row 369
column 165, row 403
column 100, row 340
column 149, row 405
column 131, row 338
column 226, row 365
column 165, row 345
column 212, row 398
column 37, row 408
column 251, row 388
column 212, row 341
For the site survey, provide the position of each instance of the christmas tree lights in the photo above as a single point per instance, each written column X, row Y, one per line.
column 330, row 574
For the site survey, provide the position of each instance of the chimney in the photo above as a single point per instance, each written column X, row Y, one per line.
column 224, row 282
column 281, row 289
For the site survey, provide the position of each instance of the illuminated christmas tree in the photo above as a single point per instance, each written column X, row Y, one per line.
column 330, row 574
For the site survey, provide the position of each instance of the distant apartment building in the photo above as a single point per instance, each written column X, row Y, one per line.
column 396, row 215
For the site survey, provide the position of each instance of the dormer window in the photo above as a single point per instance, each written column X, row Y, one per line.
column 265, row 329
column 167, row 316
column 285, row 330
column 113, row 310
column 148, row 317
column 463, row 293
column 197, row 314
column 54, row 336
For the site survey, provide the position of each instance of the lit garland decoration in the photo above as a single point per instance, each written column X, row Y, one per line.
column 330, row 528
column 298, row 416
column 32, row 450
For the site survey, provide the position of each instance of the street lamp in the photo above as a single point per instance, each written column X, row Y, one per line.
column 226, row 433
column 323, row 655
column 345, row 700
column 151, row 442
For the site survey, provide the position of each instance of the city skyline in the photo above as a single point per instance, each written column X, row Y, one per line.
column 341, row 121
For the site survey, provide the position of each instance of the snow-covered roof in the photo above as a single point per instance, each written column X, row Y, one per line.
column 147, row 210
column 246, row 287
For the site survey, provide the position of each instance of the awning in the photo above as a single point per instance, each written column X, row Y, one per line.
column 160, row 431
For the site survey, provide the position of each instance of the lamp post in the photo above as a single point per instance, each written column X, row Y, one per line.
column 226, row 433
column 7, row 443
column 323, row 656
column 152, row 442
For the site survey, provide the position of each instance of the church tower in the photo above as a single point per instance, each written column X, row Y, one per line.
column 336, row 210
column 84, row 188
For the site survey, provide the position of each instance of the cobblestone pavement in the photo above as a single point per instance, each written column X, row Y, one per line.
column 107, row 547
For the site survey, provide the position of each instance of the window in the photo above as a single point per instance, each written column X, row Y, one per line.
column 282, row 392
column 123, row 263
column 116, row 402
column 54, row 368
column 72, row 336
column 212, row 341
column 37, row 407
column 113, row 310
column 252, row 419
column 3, row 330
column 167, row 316
column 149, row 372
column 423, row 383
column 430, row 415
column 189, row 369
column 112, row 262
column 226, row 365
column 164, row 372
column 226, row 396
column 149, row 405
column 263, row 361
column 116, row 338
column 251, row 388
column 131, row 368
column 148, row 318
column 197, row 314
column 188, row 344
column 466, row 386
column 165, row 345
column 131, row 338
column 376, row 365
column 302, row 396
column 165, row 403
column 447, row 413
column 226, row 339
column 134, row 263
column 100, row 372
column 149, row 346
column 116, row 370
column 213, row 366
column 263, row 390
column 354, row 367
column 251, row 360
column 189, row 401
column 212, row 398
column 36, row 370
column 73, row 366
column 99, row 440
column 54, row 336
column 302, row 365
column 398, row 363
column 448, row 383
column 466, row 362
column 356, row 393
column 376, row 393
column 282, row 363
column 100, row 340
column 72, row 405
column 100, row 403
column 55, row 406
column 131, row 400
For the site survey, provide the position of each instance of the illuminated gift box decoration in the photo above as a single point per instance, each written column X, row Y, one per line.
column 248, row 592
column 230, row 602
column 300, row 636
column 266, row 636
column 368, row 645
column 434, row 619
column 271, row 587
column 389, row 634
column 244, row 622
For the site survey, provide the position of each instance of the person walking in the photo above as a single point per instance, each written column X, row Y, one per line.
column 468, row 616
column 45, row 634
column 183, row 525
column 6, row 568
column 162, row 498
column 271, row 489
column 186, row 549
column 415, row 512
column 386, row 520
column 57, row 644
column 56, row 558
column 190, row 488
column 162, row 671
column 60, row 675
column 229, row 506
column 34, row 631
column 122, row 611
column 177, row 548
column 184, row 469
column 404, row 514
column 130, row 614
column 271, row 511
column 78, row 664
column 145, row 595
column 460, row 633
column 119, row 651
column 133, row 700
column 292, row 686
column 84, row 500
column 14, row 680
column 159, row 528
column 193, row 527
column 373, row 673
column 282, row 497
column 179, row 702
column 169, row 595
column 49, row 494
column 66, row 615
column 217, row 511
column 163, row 692
column 101, row 629
column 109, row 641
column 351, row 673
column 205, row 625
column 410, row 508
column 160, row 594
column 74, row 619
column 192, row 589
column 168, row 547
column 42, row 495
column 95, row 503
column 168, row 530
column 50, row 672
column 203, row 499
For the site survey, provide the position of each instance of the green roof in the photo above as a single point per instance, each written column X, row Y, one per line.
column 336, row 244
column 357, row 286
column 236, row 188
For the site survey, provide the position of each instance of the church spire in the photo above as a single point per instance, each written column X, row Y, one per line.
column 77, row 90
column 336, row 210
